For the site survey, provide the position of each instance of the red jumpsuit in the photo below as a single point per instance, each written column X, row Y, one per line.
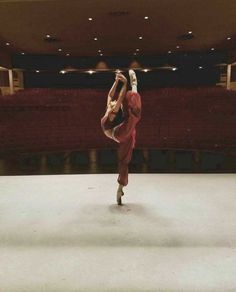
column 125, row 134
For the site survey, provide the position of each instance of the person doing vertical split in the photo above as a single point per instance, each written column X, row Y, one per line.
column 119, row 124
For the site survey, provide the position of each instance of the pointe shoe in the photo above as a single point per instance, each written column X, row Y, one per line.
column 133, row 78
column 118, row 197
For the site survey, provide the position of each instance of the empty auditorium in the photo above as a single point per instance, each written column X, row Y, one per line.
column 117, row 146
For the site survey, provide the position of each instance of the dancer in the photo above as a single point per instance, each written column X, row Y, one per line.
column 119, row 124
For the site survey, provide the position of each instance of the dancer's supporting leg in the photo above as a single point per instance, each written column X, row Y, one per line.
column 126, row 134
column 124, row 156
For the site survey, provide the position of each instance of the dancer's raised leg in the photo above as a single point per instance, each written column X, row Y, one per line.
column 133, row 80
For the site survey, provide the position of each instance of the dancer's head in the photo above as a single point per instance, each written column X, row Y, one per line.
column 112, row 104
column 110, row 107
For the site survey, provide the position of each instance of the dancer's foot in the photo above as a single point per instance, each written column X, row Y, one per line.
column 118, row 197
column 133, row 78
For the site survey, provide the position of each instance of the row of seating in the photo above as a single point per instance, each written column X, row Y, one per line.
column 168, row 100
column 69, row 119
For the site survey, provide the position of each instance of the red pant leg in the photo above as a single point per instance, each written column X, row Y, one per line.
column 132, row 110
column 124, row 156
column 132, row 101
column 125, row 133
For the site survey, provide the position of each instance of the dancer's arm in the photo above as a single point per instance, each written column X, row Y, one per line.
column 112, row 91
column 122, row 93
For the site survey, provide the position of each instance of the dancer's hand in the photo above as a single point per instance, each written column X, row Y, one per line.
column 117, row 77
column 122, row 78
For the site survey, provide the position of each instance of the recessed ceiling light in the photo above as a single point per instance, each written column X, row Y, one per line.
column 7, row 44
column 140, row 37
column 146, row 70
column 62, row 71
column 90, row 19
column 169, row 52
column 37, row 71
column 212, row 49
column 190, row 32
column 99, row 51
column 48, row 36
column 146, row 17
column 200, row 67
column 59, row 50
column 22, row 53
column 95, row 39
column 101, row 54
column 137, row 50
column 174, row 69
column 90, row 71
column 68, row 54
column 228, row 38
column 177, row 47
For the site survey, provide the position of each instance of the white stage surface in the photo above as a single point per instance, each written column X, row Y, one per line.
column 175, row 232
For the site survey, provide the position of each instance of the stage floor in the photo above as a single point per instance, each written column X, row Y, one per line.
column 175, row 232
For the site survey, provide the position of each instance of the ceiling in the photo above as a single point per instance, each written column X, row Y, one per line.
column 117, row 25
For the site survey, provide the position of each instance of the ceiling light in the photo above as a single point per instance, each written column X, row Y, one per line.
column 200, row 67
column 190, row 32
column 177, row 47
column 169, row 52
column 90, row 72
column 62, row 71
column 68, row 54
column 90, row 19
column 7, row 44
column 212, row 49
column 101, row 54
column 48, row 36
column 37, row 71
column 174, row 69
column 135, row 53
column 95, row 39
column 140, row 37
column 228, row 38
column 137, row 50
column 146, row 17
column 146, row 70
column 99, row 51
column 22, row 53
column 59, row 50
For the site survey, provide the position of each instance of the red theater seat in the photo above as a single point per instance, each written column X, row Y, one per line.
column 69, row 119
